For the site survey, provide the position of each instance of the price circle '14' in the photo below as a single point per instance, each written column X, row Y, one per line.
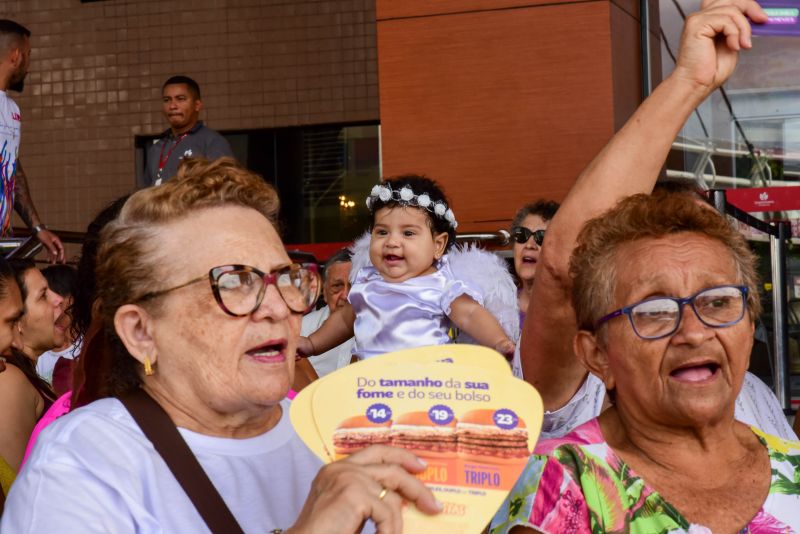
column 379, row 413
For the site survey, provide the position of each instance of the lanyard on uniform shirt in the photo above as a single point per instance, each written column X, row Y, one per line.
column 162, row 161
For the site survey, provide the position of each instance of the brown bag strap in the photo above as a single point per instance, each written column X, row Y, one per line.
column 168, row 442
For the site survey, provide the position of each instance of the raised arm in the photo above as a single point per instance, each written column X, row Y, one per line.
column 23, row 204
column 629, row 164
column 337, row 329
column 480, row 325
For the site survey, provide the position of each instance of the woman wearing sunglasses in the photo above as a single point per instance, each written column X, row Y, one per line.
column 527, row 232
column 200, row 309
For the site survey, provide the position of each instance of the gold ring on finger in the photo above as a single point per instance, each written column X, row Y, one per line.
column 383, row 493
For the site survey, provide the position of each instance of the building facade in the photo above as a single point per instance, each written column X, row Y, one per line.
column 92, row 97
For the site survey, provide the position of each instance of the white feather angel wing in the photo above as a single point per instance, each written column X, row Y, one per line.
column 360, row 251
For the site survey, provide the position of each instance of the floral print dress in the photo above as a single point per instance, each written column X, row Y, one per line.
column 584, row 487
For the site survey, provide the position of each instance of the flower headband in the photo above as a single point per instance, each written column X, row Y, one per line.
column 406, row 195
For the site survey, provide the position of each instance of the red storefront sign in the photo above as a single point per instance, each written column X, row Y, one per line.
column 757, row 199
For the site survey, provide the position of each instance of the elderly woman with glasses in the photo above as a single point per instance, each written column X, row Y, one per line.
column 665, row 298
column 630, row 164
column 200, row 313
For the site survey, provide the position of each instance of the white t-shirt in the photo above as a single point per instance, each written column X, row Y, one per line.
column 337, row 357
column 93, row 471
column 46, row 363
column 756, row 406
column 10, row 135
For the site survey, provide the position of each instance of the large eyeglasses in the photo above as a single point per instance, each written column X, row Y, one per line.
column 522, row 234
column 240, row 289
column 659, row 317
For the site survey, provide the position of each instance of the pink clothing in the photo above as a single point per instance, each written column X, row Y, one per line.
column 586, row 434
column 60, row 407
column 581, row 486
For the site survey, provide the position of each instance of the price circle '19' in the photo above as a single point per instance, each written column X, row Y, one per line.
column 379, row 413
column 440, row 414
column 506, row 419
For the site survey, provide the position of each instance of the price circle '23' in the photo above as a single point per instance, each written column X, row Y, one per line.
column 506, row 419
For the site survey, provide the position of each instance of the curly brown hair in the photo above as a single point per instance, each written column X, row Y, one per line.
column 592, row 264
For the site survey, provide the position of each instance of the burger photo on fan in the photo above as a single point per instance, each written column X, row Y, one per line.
column 485, row 435
column 358, row 432
column 416, row 432
column 492, row 436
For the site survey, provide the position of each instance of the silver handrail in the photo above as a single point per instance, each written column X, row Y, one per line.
column 24, row 245
column 500, row 237
column 696, row 146
column 713, row 179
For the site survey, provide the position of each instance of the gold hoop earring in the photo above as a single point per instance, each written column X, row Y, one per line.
column 148, row 368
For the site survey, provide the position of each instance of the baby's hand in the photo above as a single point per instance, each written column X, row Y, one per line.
column 304, row 347
column 506, row 348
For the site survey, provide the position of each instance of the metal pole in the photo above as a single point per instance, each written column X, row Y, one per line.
column 719, row 200
column 779, row 234
column 780, row 315
column 644, row 22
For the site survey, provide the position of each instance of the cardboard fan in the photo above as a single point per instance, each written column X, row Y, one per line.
column 458, row 407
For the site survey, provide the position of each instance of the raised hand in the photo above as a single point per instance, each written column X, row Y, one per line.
column 712, row 38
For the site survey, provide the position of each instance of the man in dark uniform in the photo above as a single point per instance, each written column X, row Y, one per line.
column 186, row 137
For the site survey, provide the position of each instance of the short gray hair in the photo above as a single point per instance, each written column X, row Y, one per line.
column 546, row 209
column 342, row 256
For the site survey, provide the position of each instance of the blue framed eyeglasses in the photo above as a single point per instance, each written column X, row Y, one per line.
column 659, row 317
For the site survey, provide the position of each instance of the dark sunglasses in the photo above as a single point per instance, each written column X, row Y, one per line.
column 522, row 234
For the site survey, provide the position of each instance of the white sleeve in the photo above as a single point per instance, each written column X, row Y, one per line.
column 312, row 321
column 586, row 404
column 345, row 353
column 46, row 498
column 87, row 475
column 516, row 363
column 757, row 406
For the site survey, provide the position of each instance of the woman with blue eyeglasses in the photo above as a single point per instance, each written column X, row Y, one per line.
column 664, row 299
column 665, row 294
column 198, row 314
